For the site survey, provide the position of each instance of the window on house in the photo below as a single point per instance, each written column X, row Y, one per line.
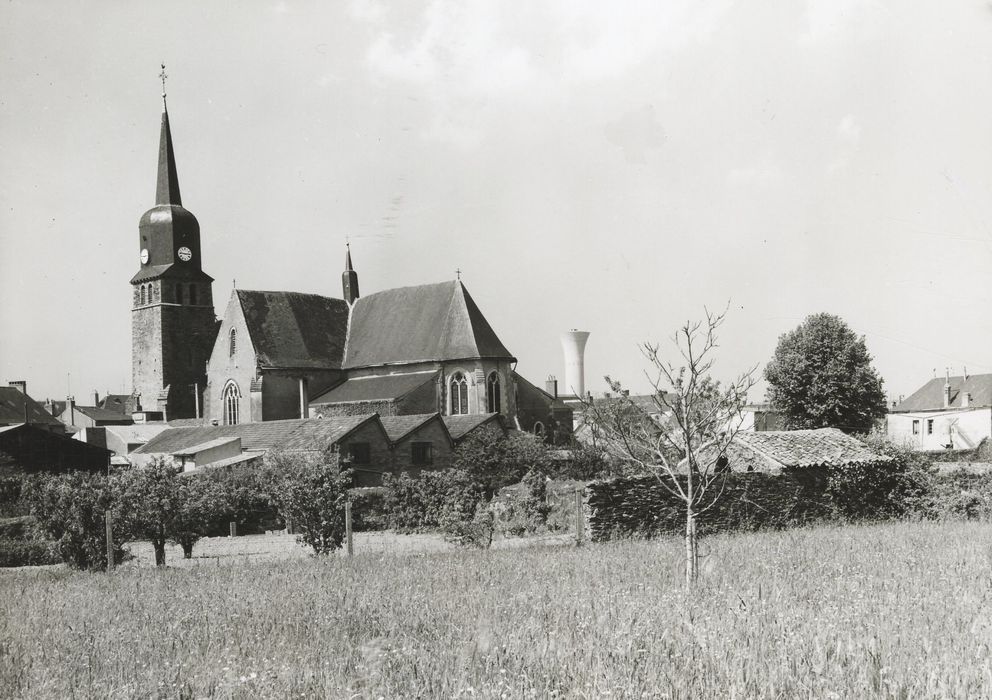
column 459, row 394
column 422, row 453
column 916, row 427
column 143, row 293
column 360, row 453
column 492, row 393
column 179, row 294
column 930, row 426
column 234, row 342
column 232, row 400
column 192, row 294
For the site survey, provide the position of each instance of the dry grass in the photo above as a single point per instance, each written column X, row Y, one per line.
column 897, row 610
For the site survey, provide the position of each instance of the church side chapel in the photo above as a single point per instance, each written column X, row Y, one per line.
column 278, row 355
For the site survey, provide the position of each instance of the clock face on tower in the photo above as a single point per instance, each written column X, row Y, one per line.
column 185, row 254
column 144, row 256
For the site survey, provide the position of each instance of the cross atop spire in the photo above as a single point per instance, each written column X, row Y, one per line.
column 458, row 274
column 163, row 75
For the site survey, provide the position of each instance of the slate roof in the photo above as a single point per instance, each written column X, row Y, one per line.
column 460, row 426
column 293, row 330
column 102, row 414
column 12, row 408
column 774, row 450
column 119, row 403
column 930, row 396
column 431, row 322
column 398, row 427
column 297, row 434
column 193, row 450
column 384, row 388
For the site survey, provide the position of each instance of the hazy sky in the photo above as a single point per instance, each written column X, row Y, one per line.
column 603, row 166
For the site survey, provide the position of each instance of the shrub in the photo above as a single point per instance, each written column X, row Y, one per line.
column 70, row 509
column 431, row 500
column 475, row 531
column 311, row 489
column 368, row 509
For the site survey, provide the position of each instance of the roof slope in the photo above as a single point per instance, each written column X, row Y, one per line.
column 12, row 404
column 430, row 322
column 930, row 396
column 398, row 427
column 295, row 330
column 460, row 426
column 383, row 388
column 294, row 434
column 97, row 413
column 797, row 449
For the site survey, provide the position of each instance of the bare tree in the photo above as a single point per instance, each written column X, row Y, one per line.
column 683, row 441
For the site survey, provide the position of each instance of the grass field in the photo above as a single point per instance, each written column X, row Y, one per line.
column 901, row 610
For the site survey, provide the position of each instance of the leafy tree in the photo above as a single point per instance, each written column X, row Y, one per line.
column 494, row 460
column 162, row 505
column 685, row 449
column 70, row 509
column 821, row 377
column 310, row 488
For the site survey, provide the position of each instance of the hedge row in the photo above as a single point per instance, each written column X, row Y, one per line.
column 640, row 506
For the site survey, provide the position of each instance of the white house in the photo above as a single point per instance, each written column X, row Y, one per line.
column 945, row 413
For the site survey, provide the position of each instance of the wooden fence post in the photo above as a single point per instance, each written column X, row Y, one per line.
column 109, row 518
column 234, row 528
column 580, row 520
column 347, row 526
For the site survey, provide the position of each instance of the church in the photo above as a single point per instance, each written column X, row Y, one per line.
column 277, row 355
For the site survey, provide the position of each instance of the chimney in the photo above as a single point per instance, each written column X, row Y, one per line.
column 573, row 344
column 551, row 386
column 947, row 388
column 96, row 398
column 70, row 409
column 965, row 399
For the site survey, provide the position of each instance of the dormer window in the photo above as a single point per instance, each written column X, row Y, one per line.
column 459, row 394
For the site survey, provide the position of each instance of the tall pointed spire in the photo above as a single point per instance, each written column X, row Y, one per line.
column 349, row 278
column 167, row 190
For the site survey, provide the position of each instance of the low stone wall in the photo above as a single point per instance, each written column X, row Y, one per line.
column 642, row 507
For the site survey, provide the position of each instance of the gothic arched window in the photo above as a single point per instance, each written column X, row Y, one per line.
column 539, row 429
column 459, row 394
column 232, row 398
column 143, row 293
column 192, row 294
column 234, row 342
column 492, row 393
column 179, row 294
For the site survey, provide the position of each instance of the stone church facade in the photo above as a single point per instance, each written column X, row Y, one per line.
column 279, row 355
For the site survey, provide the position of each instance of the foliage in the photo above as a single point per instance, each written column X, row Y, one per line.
column 474, row 531
column 494, row 460
column 311, row 490
column 368, row 509
column 430, row 500
column 821, row 377
column 70, row 509
column 585, row 462
column 23, row 543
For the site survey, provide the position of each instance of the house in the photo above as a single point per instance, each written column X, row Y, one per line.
column 759, row 417
column 16, row 407
column 949, row 413
column 778, row 451
column 76, row 417
column 34, row 447
column 419, row 442
column 121, row 440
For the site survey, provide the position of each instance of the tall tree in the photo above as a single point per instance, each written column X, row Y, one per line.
column 821, row 377
column 685, row 450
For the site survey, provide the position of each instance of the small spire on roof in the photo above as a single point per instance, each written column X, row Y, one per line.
column 347, row 257
column 458, row 274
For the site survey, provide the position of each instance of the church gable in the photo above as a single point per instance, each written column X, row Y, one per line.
column 428, row 323
column 292, row 330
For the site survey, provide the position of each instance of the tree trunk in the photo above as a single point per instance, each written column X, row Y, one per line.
column 159, row 544
column 691, row 549
column 187, row 545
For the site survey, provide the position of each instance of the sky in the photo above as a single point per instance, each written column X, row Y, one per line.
column 612, row 167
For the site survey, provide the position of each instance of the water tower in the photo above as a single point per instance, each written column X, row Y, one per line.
column 573, row 343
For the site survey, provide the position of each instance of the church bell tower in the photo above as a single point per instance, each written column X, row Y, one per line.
column 172, row 313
